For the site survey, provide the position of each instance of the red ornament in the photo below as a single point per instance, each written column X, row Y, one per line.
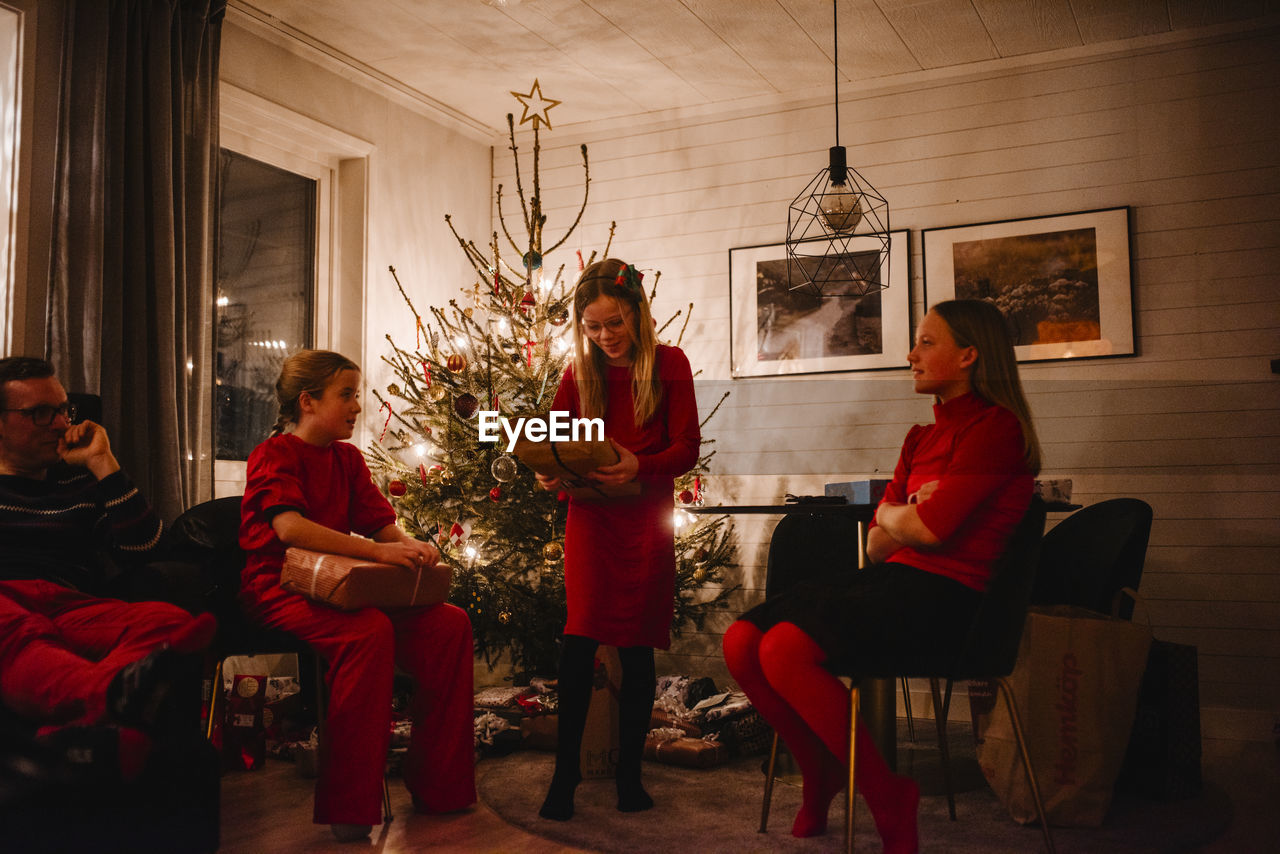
column 465, row 405
column 456, row 363
column 526, row 303
column 686, row 497
column 422, row 473
column 397, row 488
column 495, row 494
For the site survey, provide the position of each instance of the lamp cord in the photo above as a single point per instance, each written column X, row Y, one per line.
column 835, row 61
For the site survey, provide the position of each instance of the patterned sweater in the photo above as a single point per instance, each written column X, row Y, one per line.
column 69, row 527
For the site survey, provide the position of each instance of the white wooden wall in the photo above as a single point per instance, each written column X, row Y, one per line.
column 1181, row 132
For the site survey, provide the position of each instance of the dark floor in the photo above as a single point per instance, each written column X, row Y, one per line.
column 271, row 810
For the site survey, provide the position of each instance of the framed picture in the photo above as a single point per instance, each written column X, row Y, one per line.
column 1062, row 281
column 775, row 330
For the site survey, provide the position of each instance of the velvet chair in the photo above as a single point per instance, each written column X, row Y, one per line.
column 1087, row 557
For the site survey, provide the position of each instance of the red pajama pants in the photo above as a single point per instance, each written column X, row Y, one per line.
column 362, row 648
column 60, row 648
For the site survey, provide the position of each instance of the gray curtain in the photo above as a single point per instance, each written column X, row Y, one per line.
column 132, row 278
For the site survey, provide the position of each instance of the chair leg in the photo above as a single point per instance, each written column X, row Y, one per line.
column 768, row 784
column 906, row 705
column 944, row 749
column 1007, row 692
column 386, row 800
column 851, row 794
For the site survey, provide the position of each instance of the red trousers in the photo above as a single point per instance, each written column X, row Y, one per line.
column 362, row 648
column 60, row 648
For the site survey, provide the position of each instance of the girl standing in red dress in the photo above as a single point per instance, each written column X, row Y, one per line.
column 310, row 488
column 619, row 570
column 960, row 488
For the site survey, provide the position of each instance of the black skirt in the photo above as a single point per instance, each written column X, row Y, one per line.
column 885, row 620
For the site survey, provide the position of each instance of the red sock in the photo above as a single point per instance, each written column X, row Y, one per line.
column 823, row 774
column 792, row 662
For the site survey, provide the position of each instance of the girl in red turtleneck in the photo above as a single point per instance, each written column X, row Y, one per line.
column 961, row 486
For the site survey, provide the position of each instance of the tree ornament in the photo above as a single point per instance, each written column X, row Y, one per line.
column 700, row 575
column 397, row 488
column 393, row 389
column 437, row 392
column 422, row 473
column 504, row 468
column 495, row 494
column 447, row 476
column 536, row 106
column 456, row 363
column 468, row 311
column 552, row 552
column 559, row 317
column 686, row 497
column 434, row 473
column 527, row 302
column 532, row 261
column 465, row 405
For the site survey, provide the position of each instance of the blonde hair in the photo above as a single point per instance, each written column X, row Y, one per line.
column 305, row 371
column 590, row 367
column 994, row 376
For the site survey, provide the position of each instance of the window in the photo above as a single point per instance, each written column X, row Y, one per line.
column 265, row 295
column 336, row 167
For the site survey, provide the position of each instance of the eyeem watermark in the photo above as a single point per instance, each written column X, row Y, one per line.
column 557, row 427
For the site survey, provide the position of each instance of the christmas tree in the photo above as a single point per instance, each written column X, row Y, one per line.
column 504, row 349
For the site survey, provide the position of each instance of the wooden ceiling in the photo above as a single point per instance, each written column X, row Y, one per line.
column 612, row 59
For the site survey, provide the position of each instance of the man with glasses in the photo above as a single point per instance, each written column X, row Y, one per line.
column 87, row 668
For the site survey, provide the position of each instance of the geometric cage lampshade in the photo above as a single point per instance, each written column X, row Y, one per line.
column 838, row 234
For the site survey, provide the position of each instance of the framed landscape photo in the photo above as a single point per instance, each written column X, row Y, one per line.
column 775, row 330
column 1062, row 281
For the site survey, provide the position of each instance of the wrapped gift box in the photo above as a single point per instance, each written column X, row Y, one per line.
column 571, row 461
column 539, row 732
column 859, row 491
column 685, row 752
column 348, row 583
column 1054, row 491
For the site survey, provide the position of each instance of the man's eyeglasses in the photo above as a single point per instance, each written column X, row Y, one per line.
column 44, row 414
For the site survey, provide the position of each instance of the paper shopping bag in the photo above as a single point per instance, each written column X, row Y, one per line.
column 1076, row 686
column 600, row 737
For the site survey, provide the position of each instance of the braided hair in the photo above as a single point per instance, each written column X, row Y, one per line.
column 305, row 371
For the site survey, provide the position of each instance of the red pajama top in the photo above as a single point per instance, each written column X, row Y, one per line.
column 974, row 449
column 330, row 486
column 619, row 554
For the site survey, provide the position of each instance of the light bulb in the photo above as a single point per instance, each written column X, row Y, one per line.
column 841, row 208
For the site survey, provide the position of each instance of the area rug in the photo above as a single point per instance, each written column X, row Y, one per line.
column 718, row 810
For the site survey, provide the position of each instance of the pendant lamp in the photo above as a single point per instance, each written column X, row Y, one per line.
column 838, row 227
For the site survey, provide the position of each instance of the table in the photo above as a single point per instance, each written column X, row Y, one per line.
column 879, row 703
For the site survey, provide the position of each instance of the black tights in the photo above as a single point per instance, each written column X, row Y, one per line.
column 635, row 707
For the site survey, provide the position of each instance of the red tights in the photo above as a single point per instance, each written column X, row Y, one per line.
column 781, row 672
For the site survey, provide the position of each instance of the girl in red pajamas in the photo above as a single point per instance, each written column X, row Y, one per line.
column 311, row 489
column 960, row 487
column 619, row 570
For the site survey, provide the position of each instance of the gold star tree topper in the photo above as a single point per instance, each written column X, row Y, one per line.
column 535, row 106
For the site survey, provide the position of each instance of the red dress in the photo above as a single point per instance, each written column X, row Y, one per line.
column 619, row 561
